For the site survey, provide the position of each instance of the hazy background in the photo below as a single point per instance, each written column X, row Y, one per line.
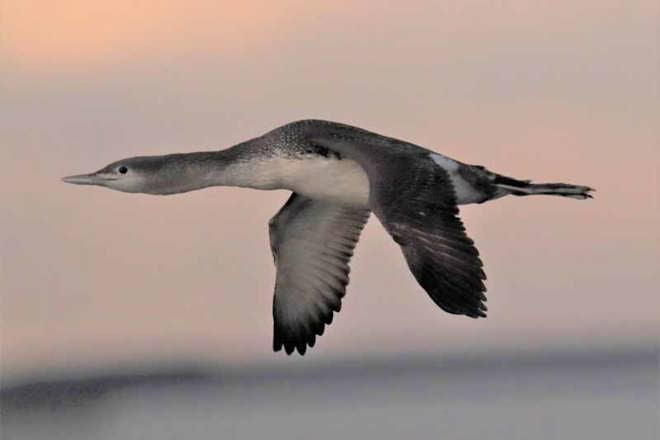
column 555, row 91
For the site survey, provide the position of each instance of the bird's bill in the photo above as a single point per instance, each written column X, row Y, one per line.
column 89, row 179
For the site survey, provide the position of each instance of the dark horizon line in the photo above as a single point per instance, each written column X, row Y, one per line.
column 53, row 391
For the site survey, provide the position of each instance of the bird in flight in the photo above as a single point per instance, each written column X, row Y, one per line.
column 338, row 175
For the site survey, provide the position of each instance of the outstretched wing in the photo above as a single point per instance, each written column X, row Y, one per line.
column 420, row 213
column 312, row 242
column 414, row 199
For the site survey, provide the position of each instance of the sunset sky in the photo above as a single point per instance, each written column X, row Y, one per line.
column 555, row 91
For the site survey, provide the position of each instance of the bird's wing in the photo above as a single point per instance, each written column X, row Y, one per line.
column 415, row 201
column 312, row 242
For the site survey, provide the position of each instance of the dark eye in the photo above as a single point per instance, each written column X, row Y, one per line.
column 122, row 170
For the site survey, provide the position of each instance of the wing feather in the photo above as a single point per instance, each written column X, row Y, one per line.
column 415, row 201
column 312, row 242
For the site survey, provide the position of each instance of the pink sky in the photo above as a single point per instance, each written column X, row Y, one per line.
column 564, row 92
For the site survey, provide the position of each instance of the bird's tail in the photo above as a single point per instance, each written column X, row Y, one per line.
column 526, row 188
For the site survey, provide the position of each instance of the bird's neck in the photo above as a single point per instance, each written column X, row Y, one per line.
column 240, row 166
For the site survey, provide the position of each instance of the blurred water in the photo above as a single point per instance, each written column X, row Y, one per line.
column 600, row 395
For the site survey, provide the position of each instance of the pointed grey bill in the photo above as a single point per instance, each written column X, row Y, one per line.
column 88, row 179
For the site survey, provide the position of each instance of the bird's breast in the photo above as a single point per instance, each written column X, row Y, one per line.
column 339, row 180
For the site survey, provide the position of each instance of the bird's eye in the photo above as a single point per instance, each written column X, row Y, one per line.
column 122, row 170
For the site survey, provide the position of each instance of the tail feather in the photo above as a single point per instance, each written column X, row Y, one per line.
column 527, row 188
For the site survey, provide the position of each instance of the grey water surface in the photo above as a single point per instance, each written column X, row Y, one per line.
column 601, row 395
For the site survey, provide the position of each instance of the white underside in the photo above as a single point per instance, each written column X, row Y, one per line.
column 341, row 181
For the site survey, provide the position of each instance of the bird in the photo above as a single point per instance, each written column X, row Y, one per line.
column 338, row 175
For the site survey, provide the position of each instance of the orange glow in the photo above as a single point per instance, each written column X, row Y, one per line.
column 553, row 91
column 70, row 33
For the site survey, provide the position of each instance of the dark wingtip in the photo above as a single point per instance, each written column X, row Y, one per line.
column 291, row 348
column 299, row 343
column 478, row 314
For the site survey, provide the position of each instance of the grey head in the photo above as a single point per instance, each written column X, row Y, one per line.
column 169, row 174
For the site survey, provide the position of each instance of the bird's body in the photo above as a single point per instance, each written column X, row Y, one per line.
column 324, row 178
column 338, row 175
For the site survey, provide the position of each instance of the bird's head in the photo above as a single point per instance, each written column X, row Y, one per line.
column 168, row 174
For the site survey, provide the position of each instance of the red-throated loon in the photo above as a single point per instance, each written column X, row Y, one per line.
column 338, row 175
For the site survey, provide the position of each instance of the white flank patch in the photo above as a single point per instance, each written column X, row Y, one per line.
column 465, row 192
column 445, row 162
